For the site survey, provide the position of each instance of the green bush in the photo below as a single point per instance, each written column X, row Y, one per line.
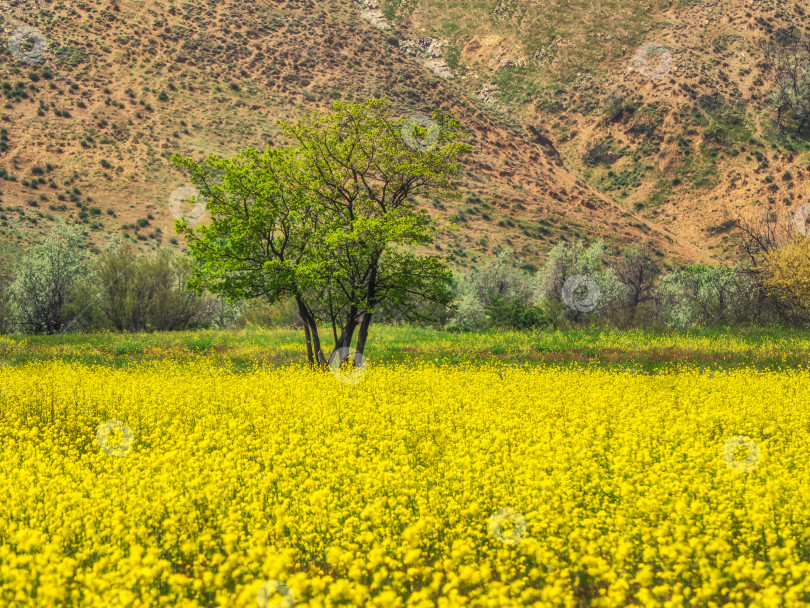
column 498, row 294
column 515, row 314
column 47, row 288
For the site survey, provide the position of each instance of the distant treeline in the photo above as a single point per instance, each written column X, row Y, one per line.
column 56, row 286
column 583, row 284
column 579, row 286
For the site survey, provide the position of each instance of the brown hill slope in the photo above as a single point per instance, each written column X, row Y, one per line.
column 98, row 95
column 684, row 137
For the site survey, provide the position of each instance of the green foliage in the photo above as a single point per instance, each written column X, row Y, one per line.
column 48, row 277
column 498, row 294
column 452, row 56
column 329, row 221
column 517, row 315
column 704, row 295
column 148, row 293
column 395, row 10
column 577, row 258
column 619, row 109
column 6, row 309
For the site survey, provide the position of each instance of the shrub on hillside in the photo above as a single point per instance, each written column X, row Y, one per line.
column 45, row 292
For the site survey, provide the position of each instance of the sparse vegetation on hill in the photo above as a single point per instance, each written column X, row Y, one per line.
column 120, row 87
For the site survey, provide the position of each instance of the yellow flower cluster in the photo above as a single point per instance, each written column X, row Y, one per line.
column 190, row 484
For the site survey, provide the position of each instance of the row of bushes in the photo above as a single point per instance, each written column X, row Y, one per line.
column 621, row 291
column 55, row 287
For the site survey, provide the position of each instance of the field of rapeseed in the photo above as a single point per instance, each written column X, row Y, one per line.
column 187, row 483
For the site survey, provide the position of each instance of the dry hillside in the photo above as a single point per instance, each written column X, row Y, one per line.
column 571, row 138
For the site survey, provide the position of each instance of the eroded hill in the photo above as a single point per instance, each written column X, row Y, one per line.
column 570, row 138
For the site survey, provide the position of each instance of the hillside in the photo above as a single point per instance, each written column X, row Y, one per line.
column 684, row 137
column 569, row 138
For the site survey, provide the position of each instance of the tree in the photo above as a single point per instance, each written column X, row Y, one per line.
column 706, row 295
column 47, row 277
column 261, row 240
column 498, row 294
column 787, row 60
column 600, row 292
column 637, row 271
column 365, row 176
column 118, row 303
column 6, row 310
column 140, row 293
column 330, row 221
column 787, row 274
column 758, row 238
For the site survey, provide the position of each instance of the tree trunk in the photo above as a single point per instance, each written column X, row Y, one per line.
column 302, row 312
column 345, row 339
column 309, row 320
column 371, row 300
column 362, row 335
column 316, row 344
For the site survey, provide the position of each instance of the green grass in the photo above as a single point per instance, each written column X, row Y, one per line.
column 245, row 349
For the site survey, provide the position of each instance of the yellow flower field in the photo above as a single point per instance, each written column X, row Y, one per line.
column 187, row 484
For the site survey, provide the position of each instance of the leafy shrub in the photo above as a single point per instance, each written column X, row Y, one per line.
column 787, row 274
column 48, row 276
column 704, row 295
column 498, row 294
column 148, row 293
column 566, row 260
column 517, row 315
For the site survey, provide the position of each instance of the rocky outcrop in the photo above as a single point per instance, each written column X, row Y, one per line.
column 370, row 12
column 428, row 51
column 488, row 93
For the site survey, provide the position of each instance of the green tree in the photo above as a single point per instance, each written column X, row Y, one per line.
column 261, row 238
column 331, row 221
column 498, row 294
column 636, row 271
column 48, row 276
column 140, row 293
column 6, row 310
column 708, row 295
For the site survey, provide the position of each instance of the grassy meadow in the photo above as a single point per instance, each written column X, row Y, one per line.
column 580, row 468
column 641, row 350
